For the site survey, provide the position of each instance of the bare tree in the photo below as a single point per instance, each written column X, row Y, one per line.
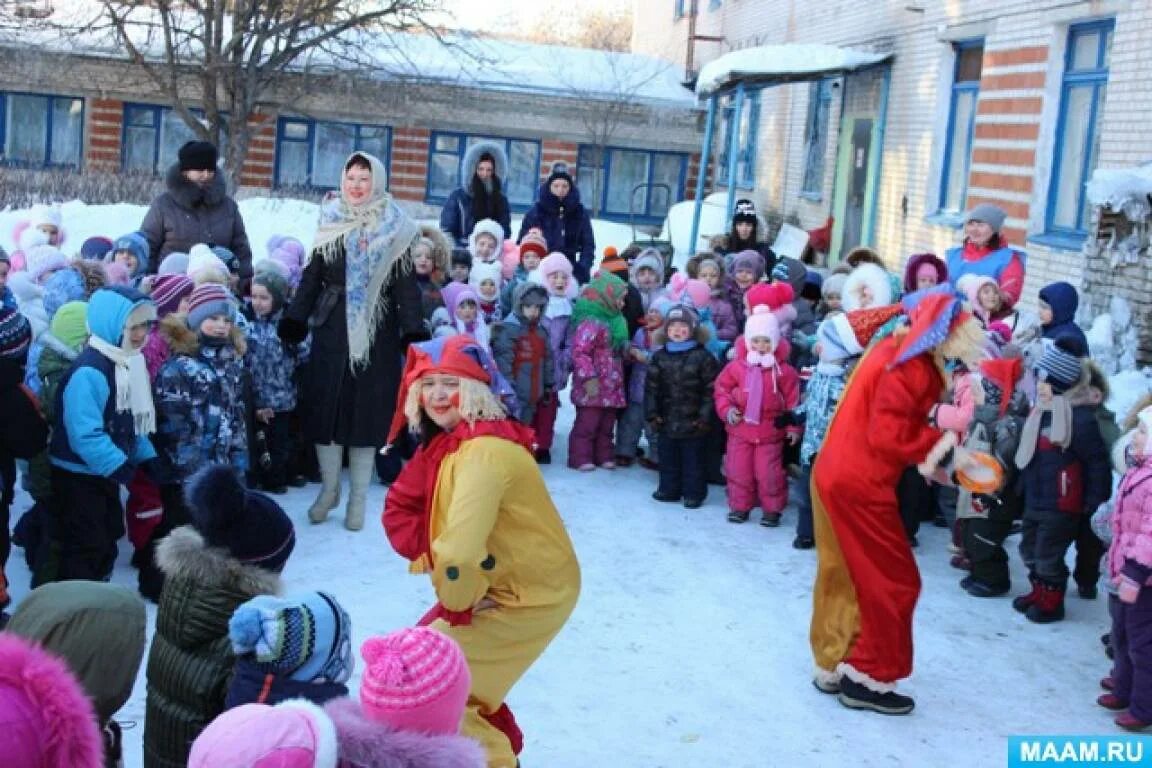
column 239, row 60
column 562, row 22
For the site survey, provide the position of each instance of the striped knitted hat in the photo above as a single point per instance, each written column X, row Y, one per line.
column 15, row 334
column 208, row 300
column 168, row 291
column 534, row 242
column 416, row 680
column 1060, row 363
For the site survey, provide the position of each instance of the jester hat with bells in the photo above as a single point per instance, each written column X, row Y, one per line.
column 484, row 393
column 938, row 323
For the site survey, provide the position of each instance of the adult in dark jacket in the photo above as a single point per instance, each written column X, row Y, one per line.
column 360, row 297
column 560, row 215
column 195, row 209
column 483, row 174
column 744, row 235
column 98, row 629
column 234, row 550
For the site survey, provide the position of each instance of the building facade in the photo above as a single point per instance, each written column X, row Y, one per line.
column 97, row 113
column 1013, row 102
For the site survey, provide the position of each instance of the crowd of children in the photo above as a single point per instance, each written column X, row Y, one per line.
column 727, row 374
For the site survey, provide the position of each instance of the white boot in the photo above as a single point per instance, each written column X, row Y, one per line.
column 329, row 457
column 361, row 464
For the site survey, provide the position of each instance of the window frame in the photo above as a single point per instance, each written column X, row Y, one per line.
column 46, row 163
column 679, row 9
column 746, row 158
column 158, row 111
column 958, row 88
column 312, row 124
column 435, row 199
column 646, row 217
column 821, row 93
column 1097, row 79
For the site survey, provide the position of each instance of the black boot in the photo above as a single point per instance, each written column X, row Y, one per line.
column 855, row 695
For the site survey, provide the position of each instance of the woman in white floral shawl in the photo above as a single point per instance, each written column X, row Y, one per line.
column 359, row 297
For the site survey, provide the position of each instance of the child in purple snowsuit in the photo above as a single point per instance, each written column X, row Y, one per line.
column 598, row 344
column 632, row 422
column 555, row 274
column 1130, row 568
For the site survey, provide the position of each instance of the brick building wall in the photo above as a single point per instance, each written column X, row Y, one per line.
column 1016, row 114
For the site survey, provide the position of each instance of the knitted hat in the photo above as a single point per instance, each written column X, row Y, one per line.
column 206, row 301
column 15, row 335
column 95, row 248
column 682, row 313
column 175, row 263
column 559, row 171
column 612, row 262
column 305, row 637
column 416, row 680
column 745, row 210
column 46, row 719
column 1060, row 363
column 534, row 242
column 230, row 259
column 275, row 284
column 42, row 260
column 555, row 262
column 137, row 245
column 201, row 259
column 70, row 324
column 62, row 287
column 289, row 252
column 168, row 291
column 293, row 734
column 762, row 323
column 833, row 284
column 813, row 286
column 992, row 215
column 249, row 525
column 197, row 156
column 771, row 295
column 749, row 260
column 463, row 257
column 688, row 291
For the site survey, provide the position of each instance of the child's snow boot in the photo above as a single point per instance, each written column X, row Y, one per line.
column 856, row 695
column 1111, row 701
column 1024, row 602
column 329, row 458
column 736, row 516
column 1048, row 605
column 361, row 462
column 1129, row 722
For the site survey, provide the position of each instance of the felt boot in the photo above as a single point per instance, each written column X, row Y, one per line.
column 329, row 458
column 361, row 461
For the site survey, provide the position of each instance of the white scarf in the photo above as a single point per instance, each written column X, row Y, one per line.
column 133, row 385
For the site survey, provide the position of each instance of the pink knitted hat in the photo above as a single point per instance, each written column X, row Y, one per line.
column 555, row 262
column 415, row 680
column 293, row 734
column 689, row 291
column 762, row 323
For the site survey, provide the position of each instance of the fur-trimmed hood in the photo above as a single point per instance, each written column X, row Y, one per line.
column 651, row 258
column 917, row 260
column 365, row 742
column 871, row 275
column 189, row 195
column 183, row 554
column 472, row 159
column 702, row 336
column 182, row 340
column 441, row 250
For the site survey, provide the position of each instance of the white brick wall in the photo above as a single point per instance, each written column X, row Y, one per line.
column 918, row 102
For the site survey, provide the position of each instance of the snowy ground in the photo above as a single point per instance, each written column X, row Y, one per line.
column 689, row 646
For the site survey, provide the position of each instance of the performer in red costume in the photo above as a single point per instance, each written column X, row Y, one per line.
column 867, row 581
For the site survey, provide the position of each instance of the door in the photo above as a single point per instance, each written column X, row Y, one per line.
column 861, row 149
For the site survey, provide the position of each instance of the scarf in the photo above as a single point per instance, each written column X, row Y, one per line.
column 411, row 535
column 1059, row 431
column 133, row 385
column 680, row 346
column 558, row 306
column 373, row 237
column 754, row 383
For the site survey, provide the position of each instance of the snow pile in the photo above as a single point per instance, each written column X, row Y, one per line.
column 678, row 226
column 1113, row 187
column 790, row 62
column 1113, row 338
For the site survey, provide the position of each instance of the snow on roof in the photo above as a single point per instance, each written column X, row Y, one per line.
column 1112, row 187
column 457, row 58
column 788, row 62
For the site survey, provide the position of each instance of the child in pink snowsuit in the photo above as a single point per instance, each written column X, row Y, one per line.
column 752, row 396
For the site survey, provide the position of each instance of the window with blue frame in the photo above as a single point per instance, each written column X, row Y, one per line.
column 816, row 137
column 681, row 9
column 152, row 136
column 961, row 120
column 40, row 131
column 1077, row 135
column 446, row 152
column 746, row 146
column 619, row 183
column 312, row 153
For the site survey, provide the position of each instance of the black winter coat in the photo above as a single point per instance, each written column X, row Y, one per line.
column 187, row 214
column 566, row 227
column 190, row 663
column 338, row 405
column 678, row 390
column 23, row 431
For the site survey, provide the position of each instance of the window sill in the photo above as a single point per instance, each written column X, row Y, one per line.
column 946, row 219
column 1060, row 241
column 812, row 197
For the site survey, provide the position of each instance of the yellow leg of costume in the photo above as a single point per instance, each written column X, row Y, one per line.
column 835, row 612
column 500, row 645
